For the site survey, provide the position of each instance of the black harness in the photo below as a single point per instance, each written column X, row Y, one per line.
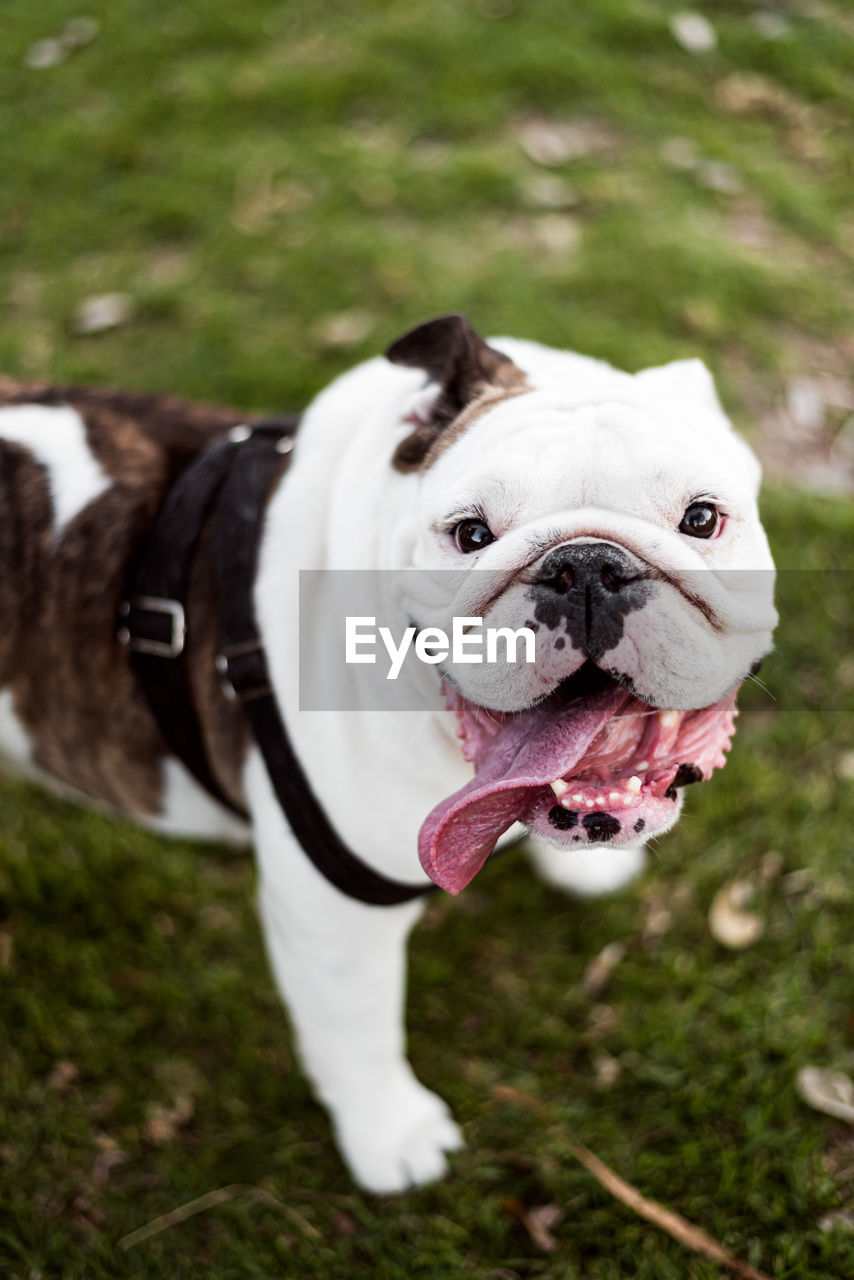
column 228, row 486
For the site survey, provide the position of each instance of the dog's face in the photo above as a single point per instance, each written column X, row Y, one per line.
column 618, row 521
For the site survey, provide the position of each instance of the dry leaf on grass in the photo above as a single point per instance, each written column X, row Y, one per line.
column 547, row 191
column 45, row 54
column 693, row 32
column 62, row 1075
column 729, row 923
column 606, row 1071
column 107, row 311
column 555, row 142
column 537, row 1221
column 826, row 1090
column 845, row 765
column 345, row 329
column 162, row 1123
column 837, row 1218
column 770, row 25
column 601, row 967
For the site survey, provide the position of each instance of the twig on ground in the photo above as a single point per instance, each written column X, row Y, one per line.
column 683, row 1231
column 210, row 1200
column 674, row 1224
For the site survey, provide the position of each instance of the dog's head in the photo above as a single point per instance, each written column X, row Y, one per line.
column 615, row 517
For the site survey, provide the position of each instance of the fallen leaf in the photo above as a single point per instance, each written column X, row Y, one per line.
column 62, row 1075
column 344, row 1223
column 79, row 31
column 106, row 311
column 606, row 1070
column 602, row 1021
column 729, row 923
column 109, row 1157
column 679, row 153
column 45, row 54
column 806, row 404
column 715, row 175
column 845, row 765
column 826, row 1090
column 539, row 1222
column 797, row 881
column 260, row 197
column 344, row 329
column 771, row 866
column 547, row 191
column 554, row 142
column 845, row 1221
column 519, row 1098
column 744, row 92
column 601, row 967
column 772, row 26
column 162, row 1123
column 557, row 233
column 693, row 32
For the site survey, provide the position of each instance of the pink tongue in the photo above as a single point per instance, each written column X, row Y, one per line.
column 528, row 751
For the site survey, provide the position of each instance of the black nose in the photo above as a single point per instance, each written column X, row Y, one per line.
column 597, row 568
column 588, row 588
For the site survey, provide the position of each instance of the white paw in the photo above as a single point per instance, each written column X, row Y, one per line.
column 586, row 872
column 399, row 1139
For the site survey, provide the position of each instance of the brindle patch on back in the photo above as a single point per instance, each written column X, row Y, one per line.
column 472, row 377
column 72, row 684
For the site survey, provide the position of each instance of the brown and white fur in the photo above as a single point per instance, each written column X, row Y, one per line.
column 378, row 456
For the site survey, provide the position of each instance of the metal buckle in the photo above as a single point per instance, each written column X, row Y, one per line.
column 239, row 434
column 221, row 664
column 170, row 648
column 243, row 432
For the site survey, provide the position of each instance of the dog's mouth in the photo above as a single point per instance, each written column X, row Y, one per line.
column 591, row 763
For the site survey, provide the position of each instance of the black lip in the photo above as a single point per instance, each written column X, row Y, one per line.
column 584, row 682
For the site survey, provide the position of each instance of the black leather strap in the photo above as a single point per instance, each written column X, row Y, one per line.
column 230, row 483
column 152, row 620
column 243, row 665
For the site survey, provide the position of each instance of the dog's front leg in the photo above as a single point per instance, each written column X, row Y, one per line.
column 340, row 967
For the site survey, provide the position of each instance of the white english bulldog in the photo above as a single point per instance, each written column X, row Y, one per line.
column 612, row 515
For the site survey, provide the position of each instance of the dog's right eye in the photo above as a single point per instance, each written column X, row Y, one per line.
column 472, row 535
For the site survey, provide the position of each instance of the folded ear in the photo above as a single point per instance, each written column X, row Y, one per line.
column 683, row 382
column 461, row 364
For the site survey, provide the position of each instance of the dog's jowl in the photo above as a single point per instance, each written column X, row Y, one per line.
column 610, row 517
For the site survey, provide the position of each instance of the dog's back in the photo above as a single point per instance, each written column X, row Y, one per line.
column 82, row 474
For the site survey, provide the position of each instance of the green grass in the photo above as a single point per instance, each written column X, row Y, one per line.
column 245, row 172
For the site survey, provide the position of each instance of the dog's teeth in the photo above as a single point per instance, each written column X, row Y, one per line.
column 589, row 804
column 614, row 796
column 643, row 764
column 667, row 719
column 578, row 798
column 568, row 802
column 634, row 785
column 600, row 800
column 559, row 787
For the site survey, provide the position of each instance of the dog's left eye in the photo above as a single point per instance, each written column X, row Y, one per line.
column 700, row 520
column 472, row 535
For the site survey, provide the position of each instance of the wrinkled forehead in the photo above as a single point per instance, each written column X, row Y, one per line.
column 541, row 445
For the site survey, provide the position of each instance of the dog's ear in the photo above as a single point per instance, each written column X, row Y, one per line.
column 461, row 364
